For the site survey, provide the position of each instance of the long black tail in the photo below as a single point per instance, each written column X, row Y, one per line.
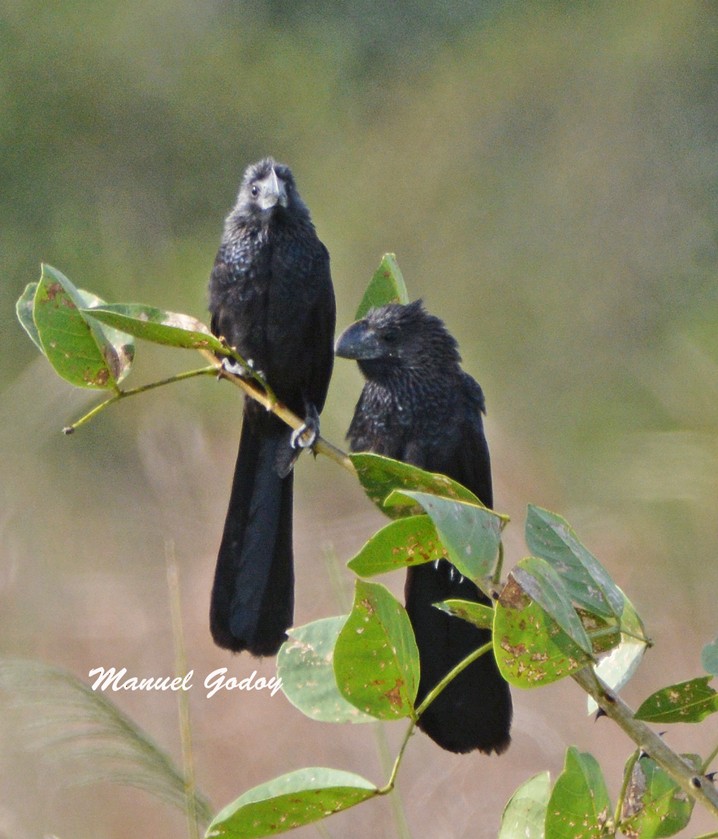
column 474, row 710
column 253, row 594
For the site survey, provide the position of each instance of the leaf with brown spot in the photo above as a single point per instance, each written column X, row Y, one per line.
column 380, row 475
column 654, row 805
column 376, row 661
column 579, row 806
column 158, row 326
column 690, row 701
column 82, row 352
column 408, row 541
column 290, row 801
column 531, row 649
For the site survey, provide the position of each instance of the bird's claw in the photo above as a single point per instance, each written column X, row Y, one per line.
column 244, row 371
column 307, row 434
column 304, row 437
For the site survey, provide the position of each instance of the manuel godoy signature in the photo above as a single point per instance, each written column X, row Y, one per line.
column 110, row 677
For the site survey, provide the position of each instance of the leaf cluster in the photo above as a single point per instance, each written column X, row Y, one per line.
column 559, row 613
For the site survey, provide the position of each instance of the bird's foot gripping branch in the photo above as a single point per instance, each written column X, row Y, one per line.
column 558, row 615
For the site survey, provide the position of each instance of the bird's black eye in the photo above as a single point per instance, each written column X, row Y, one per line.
column 255, row 191
column 391, row 336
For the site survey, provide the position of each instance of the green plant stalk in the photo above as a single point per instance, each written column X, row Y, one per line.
column 428, row 699
column 320, row 446
column 496, row 579
column 397, row 804
column 122, row 394
column 265, row 398
column 711, row 757
column 185, row 727
column 451, row 675
column 389, row 786
column 332, row 565
column 624, row 786
column 696, row 785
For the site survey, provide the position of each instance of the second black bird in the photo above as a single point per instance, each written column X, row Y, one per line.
column 271, row 298
column 420, row 407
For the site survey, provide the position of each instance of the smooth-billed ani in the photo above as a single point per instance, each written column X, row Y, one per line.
column 419, row 406
column 271, row 298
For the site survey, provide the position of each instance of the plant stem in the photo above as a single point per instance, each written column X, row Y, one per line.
column 624, row 786
column 385, row 790
column 697, row 786
column 397, row 805
column 122, row 394
column 711, row 757
column 496, row 578
column 428, row 699
column 182, row 698
column 451, row 675
column 321, row 446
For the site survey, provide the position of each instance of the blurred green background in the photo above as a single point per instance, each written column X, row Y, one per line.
column 547, row 174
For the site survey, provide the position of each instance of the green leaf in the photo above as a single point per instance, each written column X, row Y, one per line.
column 690, row 701
column 386, row 286
column 543, row 585
column 709, row 657
column 409, row 541
column 550, row 537
column 83, row 352
column 654, row 805
column 579, row 806
column 168, row 328
column 476, row 613
column 85, row 736
column 525, row 813
column 604, row 633
column 470, row 533
column 380, row 475
column 376, row 661
column 23, row 310
column 621, row 663
column 305, row 665
column 290, row 801
column 530, row 648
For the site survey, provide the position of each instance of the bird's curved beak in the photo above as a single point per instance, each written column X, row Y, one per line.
column 273, row 192
column 358, row 341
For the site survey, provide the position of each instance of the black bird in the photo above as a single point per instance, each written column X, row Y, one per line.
column 271, row 298
column 418, row 406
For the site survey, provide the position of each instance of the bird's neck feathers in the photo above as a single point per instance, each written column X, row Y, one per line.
column 403, row 387
column 265, row 222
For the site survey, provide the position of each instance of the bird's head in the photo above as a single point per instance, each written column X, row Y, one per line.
column 267, row 188
column 398, row 338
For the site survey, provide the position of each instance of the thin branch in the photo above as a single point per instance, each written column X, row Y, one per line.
column 334, row 568
column 451, row 675
column 123, row 394
column 428, row 699
column 190, row 786
column 321, row 446
column 711, row 757
column 628, row 772
column 699, row 787
column 385, row 790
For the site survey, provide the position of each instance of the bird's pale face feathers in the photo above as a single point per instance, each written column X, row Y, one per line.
column 267, row 187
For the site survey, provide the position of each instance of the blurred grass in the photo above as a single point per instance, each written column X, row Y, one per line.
column 547, row 176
